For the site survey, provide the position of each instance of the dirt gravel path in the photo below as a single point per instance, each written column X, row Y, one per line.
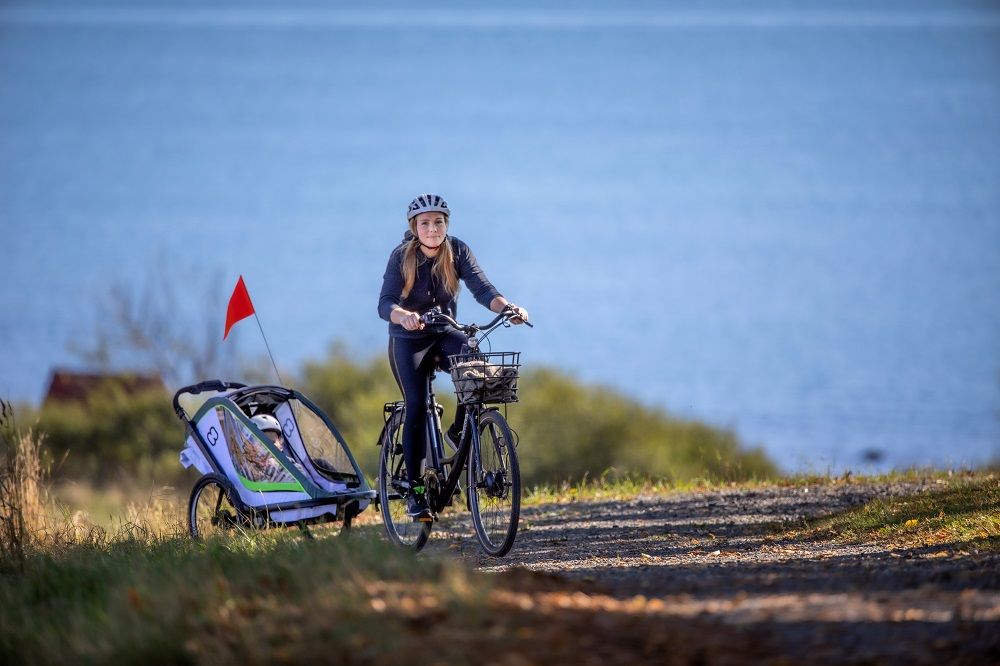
column 715, row 575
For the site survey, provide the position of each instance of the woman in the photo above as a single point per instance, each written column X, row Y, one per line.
column 423, row 273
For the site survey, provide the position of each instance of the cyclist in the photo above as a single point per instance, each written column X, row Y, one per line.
column 424, row 272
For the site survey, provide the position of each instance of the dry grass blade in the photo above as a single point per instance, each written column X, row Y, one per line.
column 22, row 489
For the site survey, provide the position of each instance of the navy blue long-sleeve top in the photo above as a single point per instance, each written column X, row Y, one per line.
column 427, row 291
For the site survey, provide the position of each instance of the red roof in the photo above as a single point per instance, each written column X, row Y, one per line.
column 69, row 386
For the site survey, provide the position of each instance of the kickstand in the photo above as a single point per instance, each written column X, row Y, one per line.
column 305, row 530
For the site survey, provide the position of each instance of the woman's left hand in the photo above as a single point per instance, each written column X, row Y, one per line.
column 522, row 314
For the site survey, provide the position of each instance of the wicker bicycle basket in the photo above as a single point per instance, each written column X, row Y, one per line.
column 485, row 377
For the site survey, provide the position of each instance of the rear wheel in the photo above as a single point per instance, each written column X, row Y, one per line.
column 399, row 527
column 495, row 485
column 211, row 511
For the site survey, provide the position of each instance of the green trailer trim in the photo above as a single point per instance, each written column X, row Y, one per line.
column 271, row 486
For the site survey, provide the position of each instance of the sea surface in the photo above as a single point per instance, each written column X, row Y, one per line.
column 780, row 217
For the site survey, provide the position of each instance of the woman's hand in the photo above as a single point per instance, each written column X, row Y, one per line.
column 522, row 314
column 499, row 304
column 408, row 320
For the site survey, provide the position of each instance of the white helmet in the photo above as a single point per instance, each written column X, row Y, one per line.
column 266, row 422
column 427, row 203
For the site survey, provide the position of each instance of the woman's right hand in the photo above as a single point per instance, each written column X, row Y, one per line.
column 409, row 320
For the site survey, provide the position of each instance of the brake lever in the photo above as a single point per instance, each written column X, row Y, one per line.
column 523, row 321
column 429, row 316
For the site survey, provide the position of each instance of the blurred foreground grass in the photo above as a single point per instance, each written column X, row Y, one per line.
column 142, row 596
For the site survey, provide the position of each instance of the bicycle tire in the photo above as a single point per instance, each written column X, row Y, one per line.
column 211, row 511
column 399, row 527
column 495, row 485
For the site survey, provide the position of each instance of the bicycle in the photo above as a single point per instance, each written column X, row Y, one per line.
column 486, row 451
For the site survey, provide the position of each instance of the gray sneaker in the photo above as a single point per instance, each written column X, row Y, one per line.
column 416, row 508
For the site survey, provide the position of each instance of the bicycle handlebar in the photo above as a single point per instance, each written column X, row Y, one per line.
column 435, row 316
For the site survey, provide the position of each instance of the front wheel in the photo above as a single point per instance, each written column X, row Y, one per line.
column 495, row 485
column 399, row 527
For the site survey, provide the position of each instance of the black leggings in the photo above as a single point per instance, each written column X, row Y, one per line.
column 412, row 360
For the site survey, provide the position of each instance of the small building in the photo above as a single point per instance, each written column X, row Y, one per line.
column 67, row 386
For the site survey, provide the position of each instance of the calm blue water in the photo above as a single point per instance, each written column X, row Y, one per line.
column 781, row 218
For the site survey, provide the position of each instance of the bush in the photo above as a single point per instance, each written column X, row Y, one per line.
column 115, row 435
column 569, row 430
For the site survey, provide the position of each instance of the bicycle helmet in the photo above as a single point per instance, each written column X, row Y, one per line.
column 266, row 422
column 427, row 203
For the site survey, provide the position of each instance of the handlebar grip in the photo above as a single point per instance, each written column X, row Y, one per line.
column 429, row 316
column 509, row 308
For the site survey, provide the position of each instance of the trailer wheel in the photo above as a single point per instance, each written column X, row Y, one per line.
column 211, row 511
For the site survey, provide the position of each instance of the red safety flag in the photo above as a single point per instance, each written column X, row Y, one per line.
column 240, row 306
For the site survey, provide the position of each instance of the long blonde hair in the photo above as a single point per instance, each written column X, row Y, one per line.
column 444, row 263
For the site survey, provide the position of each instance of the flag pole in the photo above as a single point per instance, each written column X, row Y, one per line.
column 271, row 356
column 240, row 307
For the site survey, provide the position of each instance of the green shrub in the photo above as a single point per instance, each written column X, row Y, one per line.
column 568, row 430
column 114, row 435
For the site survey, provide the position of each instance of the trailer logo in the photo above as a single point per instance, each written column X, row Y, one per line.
column 288, row 428
column 212, row 436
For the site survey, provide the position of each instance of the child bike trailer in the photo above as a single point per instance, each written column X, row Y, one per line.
column 303, row 475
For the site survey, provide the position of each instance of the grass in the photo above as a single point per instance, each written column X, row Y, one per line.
column 137, row 588
column 269, row 596
column 959, row 511
column 608, row 487
column 143, row 591
column 131, row 586
column 23, row 492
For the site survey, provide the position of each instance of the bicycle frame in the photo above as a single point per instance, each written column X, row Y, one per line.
column 441, row 474
column 435, row 460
